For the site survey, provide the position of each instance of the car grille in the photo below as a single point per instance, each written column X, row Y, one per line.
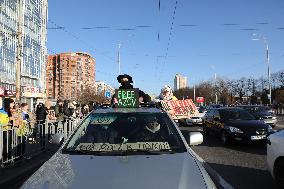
column 267, row 117
column 261, row 131
column 195, row 117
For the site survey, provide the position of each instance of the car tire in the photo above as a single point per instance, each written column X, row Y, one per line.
column 279, row 172
column 225, row 139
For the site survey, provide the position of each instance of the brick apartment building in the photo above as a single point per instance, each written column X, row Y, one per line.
column 68, row 73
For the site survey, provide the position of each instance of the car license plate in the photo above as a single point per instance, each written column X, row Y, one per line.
column 259, row 137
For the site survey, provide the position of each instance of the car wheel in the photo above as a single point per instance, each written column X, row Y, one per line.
column 225, row 139
column 279, row 172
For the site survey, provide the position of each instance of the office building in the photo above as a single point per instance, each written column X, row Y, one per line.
column 33, row 16
column 180, row 82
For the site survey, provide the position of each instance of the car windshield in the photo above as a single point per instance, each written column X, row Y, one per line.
column 235, row 114
column 115, row 133
column 259, row 110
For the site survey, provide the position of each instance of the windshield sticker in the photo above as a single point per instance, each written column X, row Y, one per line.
column 102, row 120
column 152, row 146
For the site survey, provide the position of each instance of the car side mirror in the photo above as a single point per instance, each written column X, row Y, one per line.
column 57, row 139
column 195, row 138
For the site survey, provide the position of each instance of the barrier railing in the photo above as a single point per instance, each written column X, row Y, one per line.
column 25, row 142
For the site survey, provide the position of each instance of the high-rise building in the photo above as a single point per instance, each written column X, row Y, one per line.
column 180, row 82
column 33, row 16
column 68, row 73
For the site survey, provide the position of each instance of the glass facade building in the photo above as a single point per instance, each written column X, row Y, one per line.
column 33, row 48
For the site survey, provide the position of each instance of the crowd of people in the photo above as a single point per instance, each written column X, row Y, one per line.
column 16, row 119
column 63, row 109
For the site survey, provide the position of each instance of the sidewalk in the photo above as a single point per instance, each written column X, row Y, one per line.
column 14, row 176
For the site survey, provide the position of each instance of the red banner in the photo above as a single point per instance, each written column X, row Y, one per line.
column 10, row 93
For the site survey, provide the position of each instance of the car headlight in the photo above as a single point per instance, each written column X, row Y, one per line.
column 235, row 130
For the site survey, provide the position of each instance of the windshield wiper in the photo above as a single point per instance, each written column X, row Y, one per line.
column 84, row 152
column 149, row 152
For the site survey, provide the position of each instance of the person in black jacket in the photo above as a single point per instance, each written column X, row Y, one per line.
column 59, row 110
column 41, row 112
column 126, row 83
column 152, row 131
column 66, row 110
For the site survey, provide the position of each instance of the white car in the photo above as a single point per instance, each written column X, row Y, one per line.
column 195, row 119
column 275, row 156
column 124, row 148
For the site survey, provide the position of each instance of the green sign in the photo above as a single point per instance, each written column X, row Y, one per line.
column 127, row 98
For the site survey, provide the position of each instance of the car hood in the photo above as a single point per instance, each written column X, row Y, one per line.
column 260, row 114
column 165, row 171
column 247, row 124
column 278, row 137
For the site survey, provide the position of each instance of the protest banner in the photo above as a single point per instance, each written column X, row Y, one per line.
column 127, row 98
column 179, row 109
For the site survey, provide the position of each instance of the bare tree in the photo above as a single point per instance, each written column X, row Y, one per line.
column 222, row 88
column 89, row 94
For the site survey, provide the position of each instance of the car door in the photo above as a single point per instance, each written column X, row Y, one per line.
column 217, row 122
column 209, row 119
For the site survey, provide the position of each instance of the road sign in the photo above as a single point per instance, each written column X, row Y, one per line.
column 199, row 99
column 107, row 94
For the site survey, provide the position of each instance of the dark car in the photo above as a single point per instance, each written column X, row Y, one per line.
column 235, row 124
column 262, row 112
column 214, row 106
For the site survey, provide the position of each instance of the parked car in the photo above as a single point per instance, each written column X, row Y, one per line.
column 195, row 120
column 235, row 124
column 275, row 157
column 262, row 112
column 202, row 109
column 124, row 148
column 214, row 106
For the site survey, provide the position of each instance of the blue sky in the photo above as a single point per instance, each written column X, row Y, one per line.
column 218, row 42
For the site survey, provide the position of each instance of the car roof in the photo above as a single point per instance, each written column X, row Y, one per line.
column 128, row 110
column 227, row 108
column 250, row 106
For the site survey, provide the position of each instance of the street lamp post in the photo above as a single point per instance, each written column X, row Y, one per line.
column 256, row 38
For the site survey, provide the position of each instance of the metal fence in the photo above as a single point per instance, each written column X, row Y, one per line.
column 25, row 142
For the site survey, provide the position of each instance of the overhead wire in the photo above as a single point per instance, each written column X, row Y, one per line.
column 171, row 31
column 79, row 39
column 169, row 38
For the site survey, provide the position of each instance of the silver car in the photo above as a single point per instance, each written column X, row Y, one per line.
column 124, row 148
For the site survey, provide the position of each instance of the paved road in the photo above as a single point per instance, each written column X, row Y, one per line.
column 241, row 165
